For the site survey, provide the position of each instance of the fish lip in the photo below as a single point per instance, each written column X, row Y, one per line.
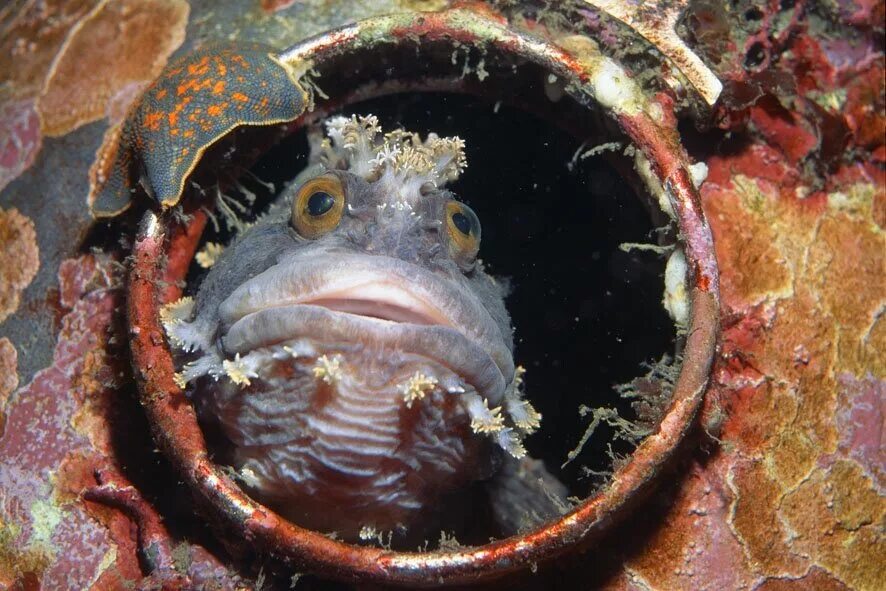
column 445, row 345
column 382, row 301
column 396, row 291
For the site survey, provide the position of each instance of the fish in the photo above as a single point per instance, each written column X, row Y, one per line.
column 354, row 354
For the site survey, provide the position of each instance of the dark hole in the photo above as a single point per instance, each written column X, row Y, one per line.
column 787, row 4
column 753, row 14
column 756, row 55
column 586, row 314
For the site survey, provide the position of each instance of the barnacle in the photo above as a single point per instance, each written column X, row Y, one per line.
column 676, row 297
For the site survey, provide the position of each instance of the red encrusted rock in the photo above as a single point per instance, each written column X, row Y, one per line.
column 39, row 437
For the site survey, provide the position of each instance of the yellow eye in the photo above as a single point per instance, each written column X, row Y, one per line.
column 463, row 228
column 318, row 207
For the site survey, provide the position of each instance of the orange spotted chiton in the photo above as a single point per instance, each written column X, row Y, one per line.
column 198, row 99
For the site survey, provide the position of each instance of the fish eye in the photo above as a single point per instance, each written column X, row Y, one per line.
column 463, row 230
column 462, row 223
column 318, row 206
column 319, row 203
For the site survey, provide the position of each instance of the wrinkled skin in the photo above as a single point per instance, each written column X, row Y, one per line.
column 364, row 360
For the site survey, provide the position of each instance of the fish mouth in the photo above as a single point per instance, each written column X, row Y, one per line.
column 384, row 301
column 370, row 300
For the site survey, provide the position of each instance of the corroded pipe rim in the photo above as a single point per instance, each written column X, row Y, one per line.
column 173, row 418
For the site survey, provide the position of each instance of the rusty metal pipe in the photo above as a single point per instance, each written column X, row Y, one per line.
column 174, row 421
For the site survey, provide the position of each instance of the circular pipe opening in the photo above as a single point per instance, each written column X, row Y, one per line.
column 586, row 306
column 512, row 58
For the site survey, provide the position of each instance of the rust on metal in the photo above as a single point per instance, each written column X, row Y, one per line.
column 174, row 421
column 154, row 541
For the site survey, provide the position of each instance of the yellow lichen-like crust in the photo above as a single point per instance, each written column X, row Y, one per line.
column 815, row 275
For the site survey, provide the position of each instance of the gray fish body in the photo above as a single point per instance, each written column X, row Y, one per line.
column 352, row 349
